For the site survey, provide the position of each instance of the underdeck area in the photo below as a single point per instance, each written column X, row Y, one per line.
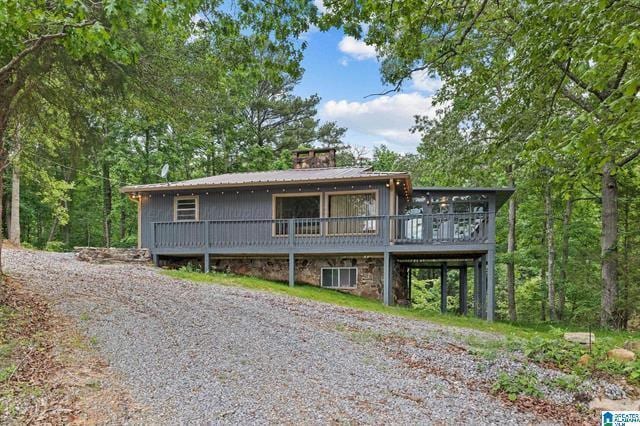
column 461, row 279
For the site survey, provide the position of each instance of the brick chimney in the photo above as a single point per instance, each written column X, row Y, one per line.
column 314, row 158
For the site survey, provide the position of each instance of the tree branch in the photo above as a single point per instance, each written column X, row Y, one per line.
column 450, row 52
column 579, row 82
column 577, row 100
column 616, row 82
column 560, row 83
column 629, row 158
column 36, row 44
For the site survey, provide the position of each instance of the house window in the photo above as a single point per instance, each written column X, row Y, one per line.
column 353, row 213
column 459, row 217
column 339, row 277
column 305, row 208
column 186, row 208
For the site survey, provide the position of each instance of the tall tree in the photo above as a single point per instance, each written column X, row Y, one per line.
column 590, row 66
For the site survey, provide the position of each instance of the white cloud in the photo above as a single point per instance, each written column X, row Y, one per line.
column 357, row 49
column 422, row 81
column 344, row 61
column 387, row 117
column 320, row 5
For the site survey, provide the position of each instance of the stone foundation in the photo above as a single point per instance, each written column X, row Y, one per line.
column 105, row 255
column 370, row 272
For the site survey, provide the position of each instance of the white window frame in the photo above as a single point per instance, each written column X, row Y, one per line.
column 340, row 269
column 196, row 198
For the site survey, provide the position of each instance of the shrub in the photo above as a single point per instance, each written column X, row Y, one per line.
column 128, row 242
column 190, row 267
column 523, row 383
column 559, row 352
column 57, row 246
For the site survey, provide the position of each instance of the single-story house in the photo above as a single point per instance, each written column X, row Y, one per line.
column 348, row 228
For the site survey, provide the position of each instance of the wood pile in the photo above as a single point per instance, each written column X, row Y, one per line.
column 111, row 255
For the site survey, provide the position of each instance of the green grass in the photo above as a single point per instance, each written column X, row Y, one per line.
column 335, row 297
column 348, row 300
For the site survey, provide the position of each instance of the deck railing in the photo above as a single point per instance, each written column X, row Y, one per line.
column 323, row 232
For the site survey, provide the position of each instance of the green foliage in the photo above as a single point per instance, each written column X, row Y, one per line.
column 522, row 383
column 570, row 382
column 57, row 246
column 129, row 241
column 533, row 98
column 6, row 372
column 559, row 352
column 190, row 268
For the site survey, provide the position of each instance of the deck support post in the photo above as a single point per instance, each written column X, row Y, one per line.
column 156, row 260
column 409, row 273
column 463, row 290
column 443, row 287
column 292, row 269
column 477, row 272
column 207, row 263
column 490, row 303
column 482, row 287
column 387, row 295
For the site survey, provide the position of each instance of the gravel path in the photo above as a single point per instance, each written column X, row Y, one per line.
column 196, row 353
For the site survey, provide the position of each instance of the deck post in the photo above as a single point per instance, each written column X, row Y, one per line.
column 292, row 269
column 477, row 272
column 490, row 303
column 387, row 295
column 156, row 260
column 409, row 273
column 291, row 230
column 207, row 262
column 483, row 286
column 463, row 290
column 443, row 287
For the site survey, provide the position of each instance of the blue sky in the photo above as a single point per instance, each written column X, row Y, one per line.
column 343, row 71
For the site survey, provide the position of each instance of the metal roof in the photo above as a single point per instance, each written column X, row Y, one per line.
column 299, row 176
column 502, row 193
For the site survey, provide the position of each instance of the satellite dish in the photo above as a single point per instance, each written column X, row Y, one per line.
column 164, row 171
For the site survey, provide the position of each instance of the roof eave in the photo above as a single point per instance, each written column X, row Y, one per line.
column 169, row 187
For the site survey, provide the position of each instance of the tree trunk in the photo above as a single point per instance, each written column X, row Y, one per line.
column 123, row 216
column 543, row 286
column 548, row 212
column 14, row 227
column 608, row 245
column 511, row 250
column 147, row 154
column 3, row 162
column 106, row 203
column 626, row 269
column 66, row 229
column 564, row 261
column 52, row 231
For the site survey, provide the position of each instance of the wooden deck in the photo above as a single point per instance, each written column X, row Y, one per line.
column 370, row 234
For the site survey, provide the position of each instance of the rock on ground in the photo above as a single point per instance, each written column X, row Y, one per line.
column 197, row 353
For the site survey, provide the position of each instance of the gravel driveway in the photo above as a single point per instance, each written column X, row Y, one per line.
column 198, row 353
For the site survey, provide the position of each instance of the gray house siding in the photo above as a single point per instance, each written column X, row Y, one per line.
column 237, row 204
